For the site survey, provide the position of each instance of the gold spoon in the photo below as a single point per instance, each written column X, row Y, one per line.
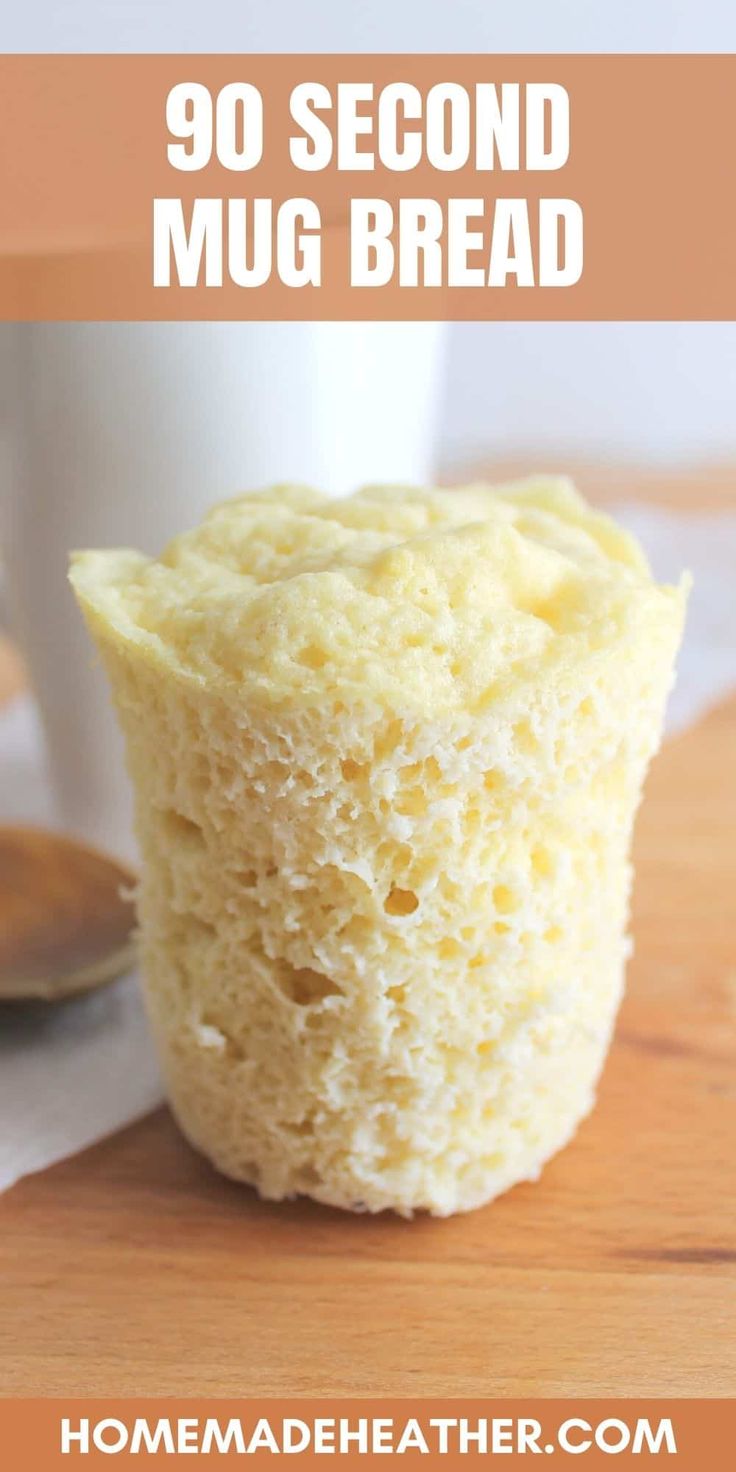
column 66, row 917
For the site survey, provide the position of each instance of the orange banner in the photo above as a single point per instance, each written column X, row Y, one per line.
column 46, row 1435
column 328, row 187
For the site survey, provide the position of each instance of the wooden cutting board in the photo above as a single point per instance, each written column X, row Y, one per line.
column 134, row 1269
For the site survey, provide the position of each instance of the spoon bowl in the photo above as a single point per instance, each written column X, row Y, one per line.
column 66, row 917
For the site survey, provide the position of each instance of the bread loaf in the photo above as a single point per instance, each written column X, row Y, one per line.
column 387, row 753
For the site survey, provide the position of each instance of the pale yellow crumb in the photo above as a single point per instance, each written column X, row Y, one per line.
column 387, row 753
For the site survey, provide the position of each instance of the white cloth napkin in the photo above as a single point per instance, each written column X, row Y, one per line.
column 70, row 1075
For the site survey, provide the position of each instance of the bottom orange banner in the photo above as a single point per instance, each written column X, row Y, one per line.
column 42, row 1435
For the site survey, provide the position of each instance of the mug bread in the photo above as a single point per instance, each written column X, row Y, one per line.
column 387, row 753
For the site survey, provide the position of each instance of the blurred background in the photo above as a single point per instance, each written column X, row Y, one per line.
column 370, row 25
column 649, row 392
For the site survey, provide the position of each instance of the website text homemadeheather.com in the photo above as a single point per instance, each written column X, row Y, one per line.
column 365, row 1435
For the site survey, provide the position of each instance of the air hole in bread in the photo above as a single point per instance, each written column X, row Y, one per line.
column 351, row 769
column 304, row 986
column 181, row 830
column 307, row 1178
column 212, row 1035
column 504, row 900
column 401, row 902
column 542, row 861
column 312, row 656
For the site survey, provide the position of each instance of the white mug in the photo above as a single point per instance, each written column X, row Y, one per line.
column 122, row 434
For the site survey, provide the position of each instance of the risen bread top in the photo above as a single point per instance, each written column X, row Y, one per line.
column 429, row 599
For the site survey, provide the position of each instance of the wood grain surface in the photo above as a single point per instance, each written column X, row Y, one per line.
column 134, row 1269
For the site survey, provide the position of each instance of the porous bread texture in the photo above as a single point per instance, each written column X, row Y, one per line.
column 387, row 753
